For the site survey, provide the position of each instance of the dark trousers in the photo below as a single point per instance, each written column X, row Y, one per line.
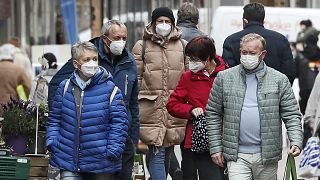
column 127, row 162
column 175, row 170
column 304, row 96
column 194, row 164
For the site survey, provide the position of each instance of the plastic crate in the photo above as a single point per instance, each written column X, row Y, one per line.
column 13, row 167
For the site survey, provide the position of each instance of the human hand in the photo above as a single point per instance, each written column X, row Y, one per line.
column 218, row 158
column 196, row 112
column 294, row 151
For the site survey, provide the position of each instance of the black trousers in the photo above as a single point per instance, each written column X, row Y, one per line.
column 194, row 164
column 127, row 162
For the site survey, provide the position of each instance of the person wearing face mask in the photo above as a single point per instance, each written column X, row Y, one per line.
column 245, row 111
column 188, row 101
column 279, row 54
column 160, row 62
column 87, row 124
column 120, row 63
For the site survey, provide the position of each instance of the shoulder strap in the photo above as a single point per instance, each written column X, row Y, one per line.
column 184, row 54
column 115, row 89
column 66, row 87
column 183, row 45
column 143, row 49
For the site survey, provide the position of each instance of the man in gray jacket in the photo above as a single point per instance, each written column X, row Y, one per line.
column 246, row 107
column 188, row 18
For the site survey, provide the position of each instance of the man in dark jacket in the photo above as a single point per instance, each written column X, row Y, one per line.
column 121, row 64
column 279, row 55
column 188, row 17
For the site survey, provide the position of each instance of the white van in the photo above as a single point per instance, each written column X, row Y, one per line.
column 228, row 20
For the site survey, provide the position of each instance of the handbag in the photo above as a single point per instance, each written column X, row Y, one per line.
column 310, row 162
column 290, row 170
column 199, row 142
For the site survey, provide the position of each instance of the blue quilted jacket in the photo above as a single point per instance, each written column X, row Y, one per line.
column 85, row 133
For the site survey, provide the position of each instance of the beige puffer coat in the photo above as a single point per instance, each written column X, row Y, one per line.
column 158, row 76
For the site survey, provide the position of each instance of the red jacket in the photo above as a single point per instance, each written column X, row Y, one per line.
column 192, row 91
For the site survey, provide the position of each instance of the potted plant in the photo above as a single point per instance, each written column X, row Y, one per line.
column 19, row 123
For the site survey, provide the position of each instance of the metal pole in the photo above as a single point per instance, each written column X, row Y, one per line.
column 37, row 126
column 52, row 22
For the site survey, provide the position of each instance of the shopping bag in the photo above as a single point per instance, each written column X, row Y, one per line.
column 200, row 142
column 290, row 170
column 310, row 162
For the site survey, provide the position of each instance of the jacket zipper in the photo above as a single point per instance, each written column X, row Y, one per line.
column 79, row 127
column 126, row 85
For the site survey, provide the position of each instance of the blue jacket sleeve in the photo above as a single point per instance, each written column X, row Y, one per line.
column 64, row 73
column 134, row 109
column 118, row 127
column 53, row 123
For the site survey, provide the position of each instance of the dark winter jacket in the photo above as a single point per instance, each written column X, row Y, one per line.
column 308, row 66
column 189, row 30
column 191, row 92
column 279, row 55
column 86, row 131
column 124, row 74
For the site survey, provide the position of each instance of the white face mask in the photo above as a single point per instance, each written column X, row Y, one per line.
column 116, row 47
column 196, row 66
column 163, row 29
column 89, row 68
column 250, row 62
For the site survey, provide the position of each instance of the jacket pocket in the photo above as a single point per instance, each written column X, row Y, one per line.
column 148, row 107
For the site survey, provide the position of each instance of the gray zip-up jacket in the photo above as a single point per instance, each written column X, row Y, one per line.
column 276, row 103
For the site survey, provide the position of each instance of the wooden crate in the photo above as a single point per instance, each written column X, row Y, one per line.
column 38, row 167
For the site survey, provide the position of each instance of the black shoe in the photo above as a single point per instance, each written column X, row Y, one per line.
column 177, row 175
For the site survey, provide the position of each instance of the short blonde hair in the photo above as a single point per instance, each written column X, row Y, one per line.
column 252, row 37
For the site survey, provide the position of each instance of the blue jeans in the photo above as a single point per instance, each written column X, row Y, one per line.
column 68, row 175
column 158, row 161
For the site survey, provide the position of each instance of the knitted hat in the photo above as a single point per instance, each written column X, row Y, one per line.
column 52, row 60
column 162, row 11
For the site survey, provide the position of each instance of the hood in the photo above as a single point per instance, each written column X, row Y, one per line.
column 222, row 66
column 186, row 24
column 149, row 33
column 7, row 51
column 102, row 76
column 311, row 52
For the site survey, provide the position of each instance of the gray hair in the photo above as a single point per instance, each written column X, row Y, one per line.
column 252, row 37
column 78, row 49
column 107, row 26
column 188, row 12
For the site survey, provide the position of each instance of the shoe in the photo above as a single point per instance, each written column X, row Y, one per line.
column 177, row 175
